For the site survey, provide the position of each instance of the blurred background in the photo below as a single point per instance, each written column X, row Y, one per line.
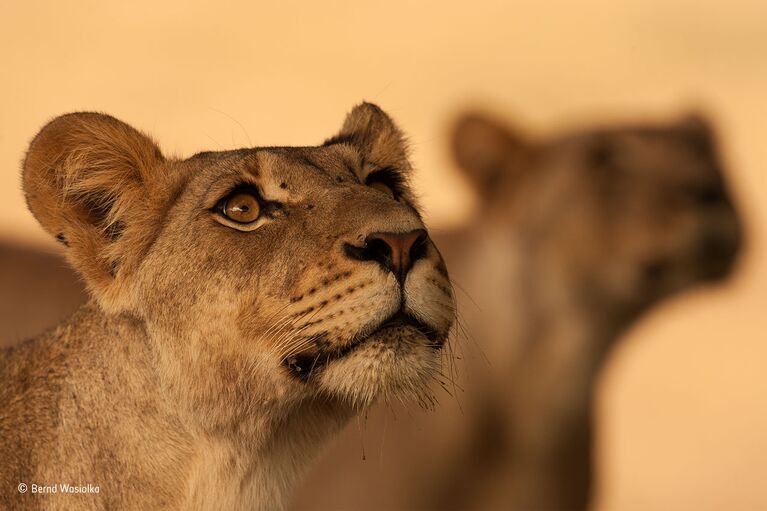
column 683, row 402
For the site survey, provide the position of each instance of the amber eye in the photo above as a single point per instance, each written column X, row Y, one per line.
column 241, row 207
column 382, row 187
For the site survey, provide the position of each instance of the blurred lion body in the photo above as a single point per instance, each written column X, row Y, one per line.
column 215, row 356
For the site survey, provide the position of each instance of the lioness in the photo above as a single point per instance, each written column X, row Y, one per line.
column 245, row 304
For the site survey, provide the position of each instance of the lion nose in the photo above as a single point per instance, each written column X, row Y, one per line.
column 392, row 250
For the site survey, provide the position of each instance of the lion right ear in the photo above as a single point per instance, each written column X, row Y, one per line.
column 375, row 136
column 488, row 151
column 90, row 180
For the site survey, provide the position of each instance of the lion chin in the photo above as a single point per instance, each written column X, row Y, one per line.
column 393, row 361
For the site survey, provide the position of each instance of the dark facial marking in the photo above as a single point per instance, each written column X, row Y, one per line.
column 388, row 176
column 303, row 158
column 440, row 286
column 301, row 365
column 441, row 268
column 303, row 312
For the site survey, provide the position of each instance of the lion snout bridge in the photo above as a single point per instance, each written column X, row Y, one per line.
column 396, row 252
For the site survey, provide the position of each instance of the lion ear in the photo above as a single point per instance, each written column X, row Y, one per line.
column 375, row 135
column 488, row 151
column 89, row 180
column 697, row 129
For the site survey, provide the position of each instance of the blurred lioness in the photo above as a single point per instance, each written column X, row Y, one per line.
column 577, row 236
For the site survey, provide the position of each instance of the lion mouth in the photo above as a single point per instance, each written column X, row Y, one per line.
column 402, row 319
column 309, row 362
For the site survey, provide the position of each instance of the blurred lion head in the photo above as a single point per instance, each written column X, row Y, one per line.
column 623, row 214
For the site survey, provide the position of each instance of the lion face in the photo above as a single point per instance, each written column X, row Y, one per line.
column 313, row 283
column 265, row 275
column 624, row 215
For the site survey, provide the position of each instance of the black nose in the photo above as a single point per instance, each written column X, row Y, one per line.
column 394, row 251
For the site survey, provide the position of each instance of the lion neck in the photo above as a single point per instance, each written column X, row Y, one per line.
column 527, row 304
column 251, row 458
column 555, row 336
column 231, row 475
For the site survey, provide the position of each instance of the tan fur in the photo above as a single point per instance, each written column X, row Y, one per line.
column 177, row 386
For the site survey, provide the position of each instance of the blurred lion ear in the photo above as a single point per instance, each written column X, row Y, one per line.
column 375, row 136
column 695, row 122
column 88, row 179
column 486, row 150
column 697, row 128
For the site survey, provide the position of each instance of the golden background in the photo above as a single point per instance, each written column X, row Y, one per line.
column 683, row 405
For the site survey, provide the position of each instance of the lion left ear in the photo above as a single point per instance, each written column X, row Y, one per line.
column 375, row 135
column 488, row 151
column 97, row 185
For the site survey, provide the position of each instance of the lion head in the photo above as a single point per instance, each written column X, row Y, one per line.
column 261, row 276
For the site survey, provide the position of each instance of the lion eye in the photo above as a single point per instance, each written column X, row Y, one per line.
column 241, row 207
column 382, row 187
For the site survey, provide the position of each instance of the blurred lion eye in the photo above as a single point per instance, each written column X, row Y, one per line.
column 382, row 187
column 241, row 207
